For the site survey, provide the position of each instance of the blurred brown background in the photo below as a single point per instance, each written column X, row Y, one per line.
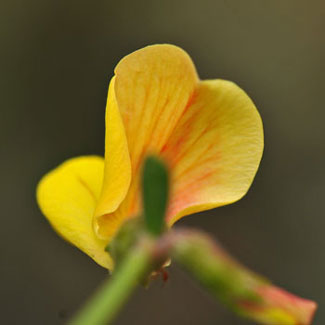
column 56, row 60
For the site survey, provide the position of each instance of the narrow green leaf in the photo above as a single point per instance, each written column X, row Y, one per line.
column 155, row 194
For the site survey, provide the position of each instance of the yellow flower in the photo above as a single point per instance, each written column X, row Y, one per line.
column 208, row 132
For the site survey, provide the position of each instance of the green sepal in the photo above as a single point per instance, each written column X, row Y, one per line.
column 125, row 239
column 155, row 186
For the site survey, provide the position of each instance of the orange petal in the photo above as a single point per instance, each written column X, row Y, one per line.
column 215, row 150
column 153, row 87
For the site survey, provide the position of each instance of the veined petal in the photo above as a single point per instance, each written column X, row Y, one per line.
column 153, row 88
column 67, row 197
column 215, row 150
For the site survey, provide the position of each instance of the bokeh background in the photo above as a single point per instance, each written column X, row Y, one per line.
column 56, row 60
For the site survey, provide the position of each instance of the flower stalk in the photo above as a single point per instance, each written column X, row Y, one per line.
column 241, row 290
column 104, row 306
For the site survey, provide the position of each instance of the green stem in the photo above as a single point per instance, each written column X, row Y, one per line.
column 114, row 293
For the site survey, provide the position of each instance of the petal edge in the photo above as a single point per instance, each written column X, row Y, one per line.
column 67, row 197
column 215, row 150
